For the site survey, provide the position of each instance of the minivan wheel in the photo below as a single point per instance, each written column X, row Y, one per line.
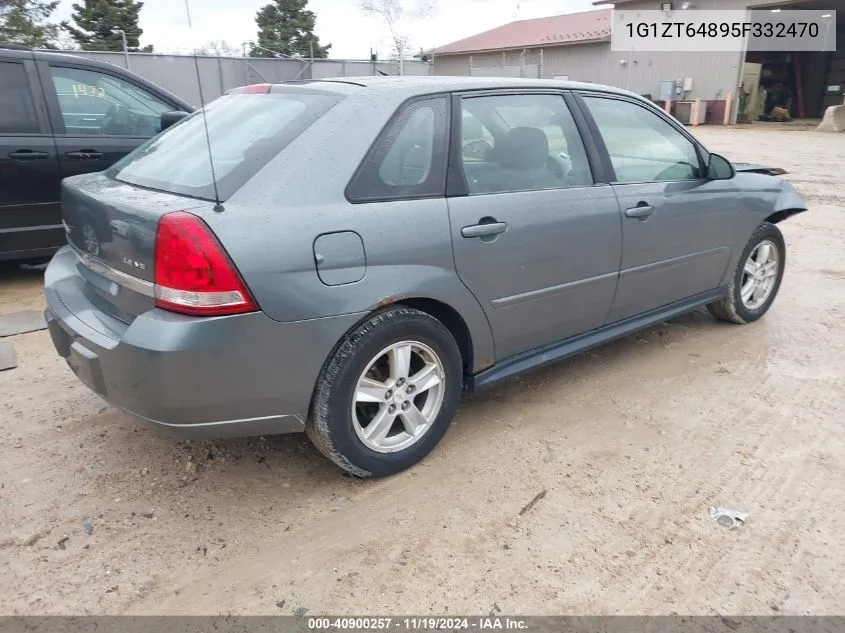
column 388, row 393
column 757, row 278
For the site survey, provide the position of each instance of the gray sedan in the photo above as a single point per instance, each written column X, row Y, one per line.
column 346, row 257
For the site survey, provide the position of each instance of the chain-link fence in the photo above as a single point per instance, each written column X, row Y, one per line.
column 178, row 73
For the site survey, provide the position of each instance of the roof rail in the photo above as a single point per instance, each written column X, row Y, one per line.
column 14, row 46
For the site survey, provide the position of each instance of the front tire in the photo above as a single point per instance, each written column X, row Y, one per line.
column 756, row 279
column 388, row 393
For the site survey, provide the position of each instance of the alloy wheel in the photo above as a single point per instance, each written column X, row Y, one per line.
column 759, row 275
column 398, row 397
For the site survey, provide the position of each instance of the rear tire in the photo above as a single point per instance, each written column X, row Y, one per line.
column 387, row 394
column 755, row 282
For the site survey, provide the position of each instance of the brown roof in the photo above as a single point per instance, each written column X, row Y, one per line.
column 552, row 31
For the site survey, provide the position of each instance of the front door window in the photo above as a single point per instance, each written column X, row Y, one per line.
column 642, row 146
column 97, row 104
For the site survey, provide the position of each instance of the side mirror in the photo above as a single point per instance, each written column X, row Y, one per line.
column 171, row 118
column 720, row 168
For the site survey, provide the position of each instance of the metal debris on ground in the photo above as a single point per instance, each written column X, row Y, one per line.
column 533, row 502
column 8, row 357
column 21, row 322
column 729, row 519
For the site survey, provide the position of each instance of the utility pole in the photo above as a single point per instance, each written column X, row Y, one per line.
column 125, row 47
column 311, row 63
column 402, row 59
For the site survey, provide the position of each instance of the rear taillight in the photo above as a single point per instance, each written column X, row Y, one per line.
column 193, row 274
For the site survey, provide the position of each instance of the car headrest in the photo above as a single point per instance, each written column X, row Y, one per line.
column 524, row 148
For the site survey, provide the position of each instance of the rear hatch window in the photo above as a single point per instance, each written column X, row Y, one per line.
column 245, row 131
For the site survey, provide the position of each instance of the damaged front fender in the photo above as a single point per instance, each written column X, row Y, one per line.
column 787, row 204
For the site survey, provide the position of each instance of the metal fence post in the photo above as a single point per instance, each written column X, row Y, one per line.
column 220, row 76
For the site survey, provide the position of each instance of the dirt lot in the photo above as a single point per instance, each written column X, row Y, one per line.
column 632, row 442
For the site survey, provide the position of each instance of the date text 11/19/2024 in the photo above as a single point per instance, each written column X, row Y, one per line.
column 482, row 623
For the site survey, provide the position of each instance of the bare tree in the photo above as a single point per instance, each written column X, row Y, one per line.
column 219, row 48
column 395, row 14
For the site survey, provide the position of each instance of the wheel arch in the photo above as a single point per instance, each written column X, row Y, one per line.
column 451, row 319
column 476, row 351
column 459, row 310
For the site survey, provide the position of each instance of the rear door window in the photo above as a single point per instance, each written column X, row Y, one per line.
column 245, row 131
column 409, row 158
column 521, row 142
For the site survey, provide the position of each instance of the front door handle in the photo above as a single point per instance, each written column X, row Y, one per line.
column 85, row 154
column 641, row 212
column 27, row 154
column 484, row 229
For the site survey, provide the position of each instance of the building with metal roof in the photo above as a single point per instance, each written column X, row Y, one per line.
column 577, row 47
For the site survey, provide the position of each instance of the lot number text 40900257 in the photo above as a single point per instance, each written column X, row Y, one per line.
column 427, row 623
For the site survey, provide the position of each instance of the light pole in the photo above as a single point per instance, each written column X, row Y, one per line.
column 125, row 46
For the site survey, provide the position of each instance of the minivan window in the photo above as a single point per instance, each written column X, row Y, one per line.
column 245, row 131
column 95, row 103
column 17, row 112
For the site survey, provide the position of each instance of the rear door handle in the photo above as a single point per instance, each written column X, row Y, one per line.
column 484, row 230
column 27, row 154
column 85, row 154
column 640, row 212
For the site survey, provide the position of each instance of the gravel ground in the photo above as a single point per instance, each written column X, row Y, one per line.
column 631, row 444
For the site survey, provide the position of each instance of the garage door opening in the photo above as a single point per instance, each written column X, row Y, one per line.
column 778, row 86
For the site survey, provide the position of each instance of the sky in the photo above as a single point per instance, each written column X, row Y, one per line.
column 339, row 22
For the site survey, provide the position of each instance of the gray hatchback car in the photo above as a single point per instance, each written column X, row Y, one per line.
column 345, row 257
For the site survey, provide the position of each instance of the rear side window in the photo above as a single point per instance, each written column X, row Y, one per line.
column 245, row 131
column 17, row 112
column 409, row 158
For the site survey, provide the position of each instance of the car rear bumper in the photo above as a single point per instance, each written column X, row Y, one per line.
column 202, row 377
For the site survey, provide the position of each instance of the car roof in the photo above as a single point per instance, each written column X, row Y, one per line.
column 10, row 49
column 412, row 85
column 48, row 55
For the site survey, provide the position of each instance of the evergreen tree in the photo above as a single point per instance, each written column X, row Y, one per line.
column 287, row 27
column 98, row 24
column 25, row 22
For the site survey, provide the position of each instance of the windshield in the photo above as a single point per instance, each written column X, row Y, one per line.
column 244, row 131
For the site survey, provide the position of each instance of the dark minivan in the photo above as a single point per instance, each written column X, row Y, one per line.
column 63, row 115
